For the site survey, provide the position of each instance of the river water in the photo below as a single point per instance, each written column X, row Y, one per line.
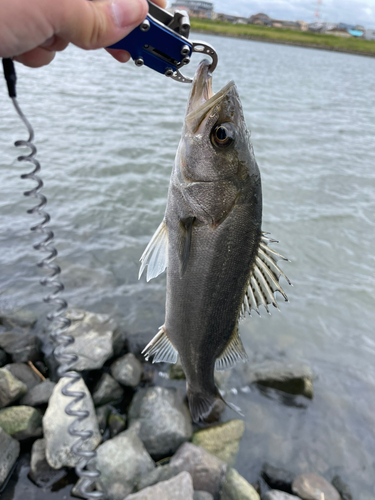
column 107, row 136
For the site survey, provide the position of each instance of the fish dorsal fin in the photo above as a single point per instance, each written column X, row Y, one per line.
column 155, row 255
column 233, row 352
column 264, row 279
column 161, row 349
column 184, row 242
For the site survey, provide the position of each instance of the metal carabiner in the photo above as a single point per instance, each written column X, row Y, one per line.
column 161, row 43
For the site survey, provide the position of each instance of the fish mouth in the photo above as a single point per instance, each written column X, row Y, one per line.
column 202, row 99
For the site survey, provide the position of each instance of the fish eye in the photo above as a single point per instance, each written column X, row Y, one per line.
column 223, row 135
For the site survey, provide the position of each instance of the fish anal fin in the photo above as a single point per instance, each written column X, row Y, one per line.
column 160, row 349
column 155, row 256
column 233, row 352
column 201, row 404
column 184, row 243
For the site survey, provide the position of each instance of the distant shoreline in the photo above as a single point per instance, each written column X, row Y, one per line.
column 285, row 37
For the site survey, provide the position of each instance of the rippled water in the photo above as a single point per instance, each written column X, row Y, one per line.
column 107, row 135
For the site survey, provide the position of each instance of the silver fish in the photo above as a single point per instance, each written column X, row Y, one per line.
column 219, row 261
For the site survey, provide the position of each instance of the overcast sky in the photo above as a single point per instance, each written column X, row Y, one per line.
column 347, row 11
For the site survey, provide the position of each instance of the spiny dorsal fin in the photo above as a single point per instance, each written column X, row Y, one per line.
column 264, row 279
column 155, row 255
column 161, row 349
column 234, row 352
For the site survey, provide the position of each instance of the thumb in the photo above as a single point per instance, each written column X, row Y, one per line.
column 93, row 25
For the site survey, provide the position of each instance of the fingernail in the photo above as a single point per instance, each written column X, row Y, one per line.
column 127, row 12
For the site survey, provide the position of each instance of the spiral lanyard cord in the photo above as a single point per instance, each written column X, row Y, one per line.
column 59, row 323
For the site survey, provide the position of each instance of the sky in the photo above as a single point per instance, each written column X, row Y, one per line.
column 346, row 11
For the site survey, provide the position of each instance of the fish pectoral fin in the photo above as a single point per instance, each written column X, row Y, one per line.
column 233, row 352
column 264, row 279
column 184, row 242
column 155, row 255
column 160, row 349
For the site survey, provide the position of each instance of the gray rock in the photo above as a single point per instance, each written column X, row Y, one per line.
column 3, row 358
column 207, row 471
column 22, row 318
column 21, row 345
column 176, row 371
column 40, row 472
column 161, row 473
column 313, row 487
column 21, row 422
column 94, row 335
column 202, row 495
column 56, row 423
column 278, row 495
column 235, row 487
column 292, row 378
column 221, row 440
column 116, row 424
column 127, row 370
column 106, row 390
column 102, row 414
column 9, row 451
column 24, row 373
column 136, row 342
column 342, row 488
column 11, row 388
column 39, row 394
column 164, row 418
column 277, row 479
column 179, row 487
column 122, row 460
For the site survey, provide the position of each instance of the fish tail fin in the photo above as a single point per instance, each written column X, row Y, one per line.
column 201, row 404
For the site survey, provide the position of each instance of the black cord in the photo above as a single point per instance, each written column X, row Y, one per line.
column 10, row 76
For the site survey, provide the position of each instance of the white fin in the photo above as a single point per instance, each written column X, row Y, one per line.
column 156, row 254
column 161, row 349
column 264, row 279
column 234, row 352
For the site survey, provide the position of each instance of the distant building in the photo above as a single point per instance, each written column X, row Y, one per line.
column 339, row 32
column 232, row 19
column 369, row 34
column 356, row 33
column 195, row 8
column 303, row 25
column 260, row 20
column 290, row 25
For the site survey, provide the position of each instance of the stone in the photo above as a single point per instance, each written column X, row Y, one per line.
column 179, row 487
column 202, row 495
column 21, row 346
column 102, row 414
column 277, row 479
column 121, row 461
column 94, row 336
column 24, row 373
column 38, row 395
column 21, row 422
column 136, row 342
column 208, row 472
column 56, row 423
column 40, row 471
column 116, row 424
column 342, row 488
column 164, row 418
column 9, row 451
column 176, row 371
column 161, row 473
column 11, row 388
column 106, row 390
column 3, row 358
column 23, row 318
column 292, row 378
column 278, row 495
column 221, row 440
column 312, row 487
column 127, row 370
column 235, row 487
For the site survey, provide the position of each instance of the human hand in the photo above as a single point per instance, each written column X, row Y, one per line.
column 31, row 32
